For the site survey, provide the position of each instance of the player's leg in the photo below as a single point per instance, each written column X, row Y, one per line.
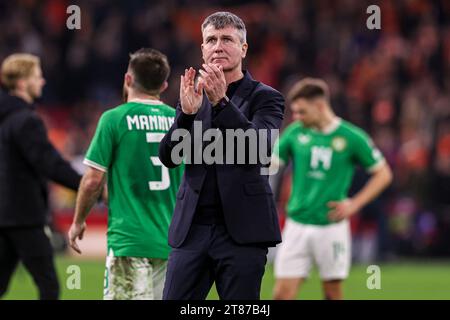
column 36, row 253
column 287, row 288
column 332, row 252
column 190, row 273
column 293, row 261
column 332, row 289
column 8, row 261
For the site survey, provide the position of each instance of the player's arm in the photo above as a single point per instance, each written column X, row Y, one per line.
column 276, row 172
column 380, row 179
column 280, row 158
column 91, row 188
column 367, row 155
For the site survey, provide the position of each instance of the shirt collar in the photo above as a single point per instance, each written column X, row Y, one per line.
column 334, row 124
column 232, row 87
column 330, row 128
column 146, row 101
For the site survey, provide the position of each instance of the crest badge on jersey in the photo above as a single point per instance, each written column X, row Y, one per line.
column 339, row 144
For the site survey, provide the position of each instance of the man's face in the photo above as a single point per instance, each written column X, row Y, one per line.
column 307, row 111
column 223, row 47
column 34, row 83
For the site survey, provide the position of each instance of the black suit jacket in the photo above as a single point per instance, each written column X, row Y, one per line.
column 27, row 161
column 247, row 201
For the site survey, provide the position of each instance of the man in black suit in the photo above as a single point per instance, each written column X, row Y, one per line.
column 225, row 217
column 27, row 161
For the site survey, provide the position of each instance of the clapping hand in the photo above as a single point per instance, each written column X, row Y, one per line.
column 190, row 97
column 213, row 80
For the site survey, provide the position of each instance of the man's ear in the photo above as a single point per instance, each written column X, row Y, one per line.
column 20, row 84
column 244, row 50
column 322, row 103
column 164, row 87
column 128, row 79
column 203, row 56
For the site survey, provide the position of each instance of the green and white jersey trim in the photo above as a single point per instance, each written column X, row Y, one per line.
column 95, row 165
column 376, row 166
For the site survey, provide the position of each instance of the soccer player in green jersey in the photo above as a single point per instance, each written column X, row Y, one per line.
column 141, row 191
column 324, row 151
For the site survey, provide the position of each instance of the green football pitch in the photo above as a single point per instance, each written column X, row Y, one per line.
column 400, row 280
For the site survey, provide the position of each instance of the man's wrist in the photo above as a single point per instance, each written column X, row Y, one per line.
column 222, row 102
column 77, row 222
column 189, row 114
column 356, row 203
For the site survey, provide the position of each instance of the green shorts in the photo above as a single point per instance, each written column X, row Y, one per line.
column 131, row 278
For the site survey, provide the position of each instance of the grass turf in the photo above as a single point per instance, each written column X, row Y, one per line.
column 400, row 280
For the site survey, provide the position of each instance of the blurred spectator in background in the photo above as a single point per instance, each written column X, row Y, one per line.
column 27, row 160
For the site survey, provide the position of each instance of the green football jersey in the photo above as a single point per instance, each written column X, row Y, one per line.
column 323, row 165
column 142, row 191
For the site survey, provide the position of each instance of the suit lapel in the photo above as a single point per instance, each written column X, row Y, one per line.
column 244, row 89
column 242, row 92
column 205, row 113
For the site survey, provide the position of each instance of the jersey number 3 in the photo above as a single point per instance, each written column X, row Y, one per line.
column 165, row 178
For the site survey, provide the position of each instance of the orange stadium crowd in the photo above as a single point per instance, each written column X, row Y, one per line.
column 393, row 82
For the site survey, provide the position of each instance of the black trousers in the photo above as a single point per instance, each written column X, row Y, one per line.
column 32, row 247
column 209, row 255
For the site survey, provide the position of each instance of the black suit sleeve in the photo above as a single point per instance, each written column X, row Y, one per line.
column 182, row 121
column 31, row 138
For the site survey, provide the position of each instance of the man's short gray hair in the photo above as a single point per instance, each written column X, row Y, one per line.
column 223, row 19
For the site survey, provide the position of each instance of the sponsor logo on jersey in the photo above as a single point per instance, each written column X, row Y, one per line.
column 316, row 175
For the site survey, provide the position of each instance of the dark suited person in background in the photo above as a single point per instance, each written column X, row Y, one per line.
column 27, row 160
column 225, row 217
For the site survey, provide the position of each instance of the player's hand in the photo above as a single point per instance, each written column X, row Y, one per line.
column 213, row 80
column 190, row 97
column 76, row 231
column 340, row 210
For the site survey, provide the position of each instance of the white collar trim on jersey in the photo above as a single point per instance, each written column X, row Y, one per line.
column 332, row 126
column 146, row 101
